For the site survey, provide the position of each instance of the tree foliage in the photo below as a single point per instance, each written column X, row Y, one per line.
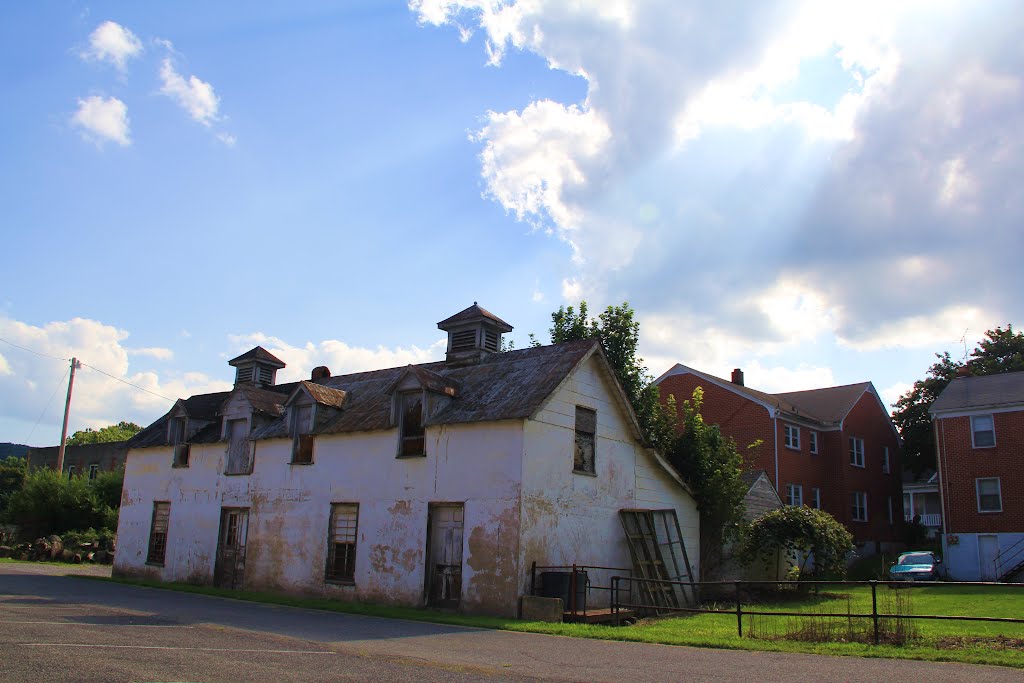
column 1001, row 350
column 122, row 431
column 619, row 334
column 50, row 502
column 802, row 531
column 12, row 476
column 712, row 464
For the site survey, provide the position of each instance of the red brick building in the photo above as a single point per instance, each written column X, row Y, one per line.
column 834, row 448
column 979, row 439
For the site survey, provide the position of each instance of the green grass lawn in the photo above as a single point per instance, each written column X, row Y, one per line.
column 953, row 641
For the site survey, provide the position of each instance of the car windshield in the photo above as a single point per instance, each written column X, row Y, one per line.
column 917, row 558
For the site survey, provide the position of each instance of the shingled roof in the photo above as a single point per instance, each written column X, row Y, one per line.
column 474, row 312
column 502, row 386
column 979, row 393
column 827, row 406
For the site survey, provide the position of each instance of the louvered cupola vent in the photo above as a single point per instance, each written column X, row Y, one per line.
column 257, row 367
column 473, row 334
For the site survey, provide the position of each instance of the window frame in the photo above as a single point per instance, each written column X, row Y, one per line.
column 243, row 442
column 857, row 454
column 177, row 436
column 791, row 436
column 797, row 500
column 813, row 441
column 998, row 494
column 584, row 440
column 409, row 436
column 816, row 497
column 302, row 440
column 858, row 503
column 351, row 534
column 886, row 463
column 156, row 548
column 974, row 432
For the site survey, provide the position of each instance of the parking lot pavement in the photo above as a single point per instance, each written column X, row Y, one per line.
column 78, row 630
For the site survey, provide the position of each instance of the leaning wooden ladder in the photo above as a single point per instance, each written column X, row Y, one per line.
column 658, row 551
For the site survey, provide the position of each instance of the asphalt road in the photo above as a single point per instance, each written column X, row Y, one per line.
column 57, row 628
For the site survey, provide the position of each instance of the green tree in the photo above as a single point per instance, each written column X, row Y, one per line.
column 122, row 431
column 713, row 466
column 12, row 476
column 798, row 531
column 50, row 502
column 1001, row 350
column 619, row 334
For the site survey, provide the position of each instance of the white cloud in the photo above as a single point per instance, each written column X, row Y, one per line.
column 99, row 400
column 193, row 95
column 113, row 43
column 771, row 175
column 102, row 119
column 227, row 138
column 893, row 392
column 152, row 352
column 336, row 355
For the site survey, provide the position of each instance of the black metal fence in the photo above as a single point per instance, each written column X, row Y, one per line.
column 582, row 588
column 622, row 588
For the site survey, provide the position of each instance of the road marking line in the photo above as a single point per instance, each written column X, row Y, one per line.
column 97, row 623
column 168, row 647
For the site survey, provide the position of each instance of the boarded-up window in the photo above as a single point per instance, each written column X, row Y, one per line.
column 302, row 440
column 586, row 426
column 341, row 543
column 178, row 440
column 412, row 424
column 158, row 534
column 238, row 447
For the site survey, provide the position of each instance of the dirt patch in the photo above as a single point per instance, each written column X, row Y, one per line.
column 1001, row 643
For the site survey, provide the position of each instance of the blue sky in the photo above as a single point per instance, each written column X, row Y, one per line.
column 819, row 193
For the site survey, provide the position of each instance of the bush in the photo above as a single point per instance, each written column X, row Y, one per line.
column 800, row 531
column 50, row 502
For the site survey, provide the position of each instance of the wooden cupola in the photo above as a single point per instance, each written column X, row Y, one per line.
column 473, row 333
column 257, row 367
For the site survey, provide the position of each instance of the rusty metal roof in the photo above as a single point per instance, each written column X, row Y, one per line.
column 259, row 354
column 474, row 312
column 503, row 386
column 326, row 396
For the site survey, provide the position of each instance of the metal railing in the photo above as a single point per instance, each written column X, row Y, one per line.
column 619, row 604
column 1010, row 560
column 932, row 519
column 575, row 584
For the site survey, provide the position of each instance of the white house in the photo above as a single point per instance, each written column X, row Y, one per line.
column 435, row 484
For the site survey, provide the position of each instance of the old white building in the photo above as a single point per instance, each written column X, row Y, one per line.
column 439, row 483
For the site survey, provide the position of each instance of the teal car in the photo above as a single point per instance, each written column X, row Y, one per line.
column 918, row 565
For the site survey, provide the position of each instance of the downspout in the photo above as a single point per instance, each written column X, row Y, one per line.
column 775, row 441
column 943, row 497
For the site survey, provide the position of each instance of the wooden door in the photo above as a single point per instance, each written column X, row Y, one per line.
column 234, row 528
column 988, row 547
column 444, row 548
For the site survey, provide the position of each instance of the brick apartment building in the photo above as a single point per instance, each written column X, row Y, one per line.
column 979, row 439
column 834, row 448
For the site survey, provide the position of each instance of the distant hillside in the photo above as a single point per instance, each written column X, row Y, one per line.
column 19, row 450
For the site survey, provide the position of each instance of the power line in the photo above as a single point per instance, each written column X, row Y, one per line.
column 44, row 355
column 125, row 381
column 59, row 385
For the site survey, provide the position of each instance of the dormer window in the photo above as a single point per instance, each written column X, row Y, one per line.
column 410, row 424
column 179, row 440
column 237, row 434
column 301, row 431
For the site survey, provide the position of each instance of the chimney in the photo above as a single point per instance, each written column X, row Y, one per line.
column 737, row 376
column 964, row 370
column 319, row 372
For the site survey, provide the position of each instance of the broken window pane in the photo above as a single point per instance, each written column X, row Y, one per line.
column 586, row 426
column 158, row 534
column 341, row 543
column 412, row 424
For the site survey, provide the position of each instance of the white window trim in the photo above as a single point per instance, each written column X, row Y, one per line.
column 977, row 494
column 813, row 442
column 856, row 454
column 992, row 420
column 792, row 436
column 860, row 496
column 816, row 498
column 798, row 498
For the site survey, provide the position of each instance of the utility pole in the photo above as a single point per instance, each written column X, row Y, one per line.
column 75, row 365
